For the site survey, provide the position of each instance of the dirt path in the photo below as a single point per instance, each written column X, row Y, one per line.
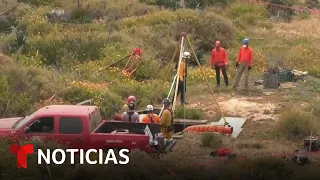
column 258, row 104
column 255, row 106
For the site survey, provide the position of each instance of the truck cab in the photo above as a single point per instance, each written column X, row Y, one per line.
column 64, row 123
column 79, row 127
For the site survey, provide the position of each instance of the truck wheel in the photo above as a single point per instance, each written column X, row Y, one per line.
column 37, row 141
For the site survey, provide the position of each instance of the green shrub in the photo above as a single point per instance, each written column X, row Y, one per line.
column 144, row 91
column 204, row 29
column 81, row 15
column 246, row 15
column 193, row 4
column 5, row 26
column 211, row 140
column 250, row 145
column 210, row 28
column 315, row 72
column 312, row 4
column 296, row 124
column 69, row 43
column 39, row 2
column 12, row 104
column 267, row 167
column 33, row 170
column 302, row 16
column 285, row 14
column 315, row 108
column 108, row 102
column 142, row 166
column 189, row 113
column 35, row 21
column 21, row 87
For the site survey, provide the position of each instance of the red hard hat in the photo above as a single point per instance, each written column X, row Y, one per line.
column 218, row 43
column 137, row 51
column 131, row 98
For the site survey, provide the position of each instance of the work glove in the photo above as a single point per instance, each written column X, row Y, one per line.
column 237, row 64
column 249, row 68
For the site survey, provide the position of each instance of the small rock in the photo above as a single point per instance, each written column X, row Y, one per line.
column 266, row 112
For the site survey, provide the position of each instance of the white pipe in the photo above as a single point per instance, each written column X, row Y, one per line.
column 177, row 80
column 172, row 85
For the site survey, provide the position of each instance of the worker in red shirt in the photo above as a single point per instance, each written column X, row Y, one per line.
column 244, row 64
column 220, row 61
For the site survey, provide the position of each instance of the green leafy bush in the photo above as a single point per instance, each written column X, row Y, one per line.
column 39, row 2
column 21, row 87
column 285, row 14
column 81, row 15
column 246, row 15
column 72, row 44
column 108, row 101
column 5, row 26
column 189, row 113
column 267, row 167
column 211, row 140
column 296, row 124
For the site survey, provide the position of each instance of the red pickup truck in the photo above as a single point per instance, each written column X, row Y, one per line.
column 81, row 127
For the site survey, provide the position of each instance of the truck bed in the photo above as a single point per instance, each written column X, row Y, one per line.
column 130, row 128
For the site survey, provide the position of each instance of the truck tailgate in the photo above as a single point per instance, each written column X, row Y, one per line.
column 114, row 134
column 127, row 141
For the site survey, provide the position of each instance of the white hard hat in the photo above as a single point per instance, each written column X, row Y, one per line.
column 149, row 108
column 186, row 54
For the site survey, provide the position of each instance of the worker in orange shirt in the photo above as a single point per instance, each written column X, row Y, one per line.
column 220, row 61
column 151, row 118
column 244, row 64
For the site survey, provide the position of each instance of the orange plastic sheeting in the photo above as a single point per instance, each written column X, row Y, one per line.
column 209, row 128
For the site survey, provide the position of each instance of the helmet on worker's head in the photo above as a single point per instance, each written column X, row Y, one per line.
column 217, row 44
column 186, row 54
column 149, row 108
column 131, row 105
column 245, row 42
column 131, row 98
column 166, row 101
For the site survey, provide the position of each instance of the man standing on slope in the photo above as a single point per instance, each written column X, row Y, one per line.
column 220, row 61
column 244, row 64
column 166, row 121
column 182, row 84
